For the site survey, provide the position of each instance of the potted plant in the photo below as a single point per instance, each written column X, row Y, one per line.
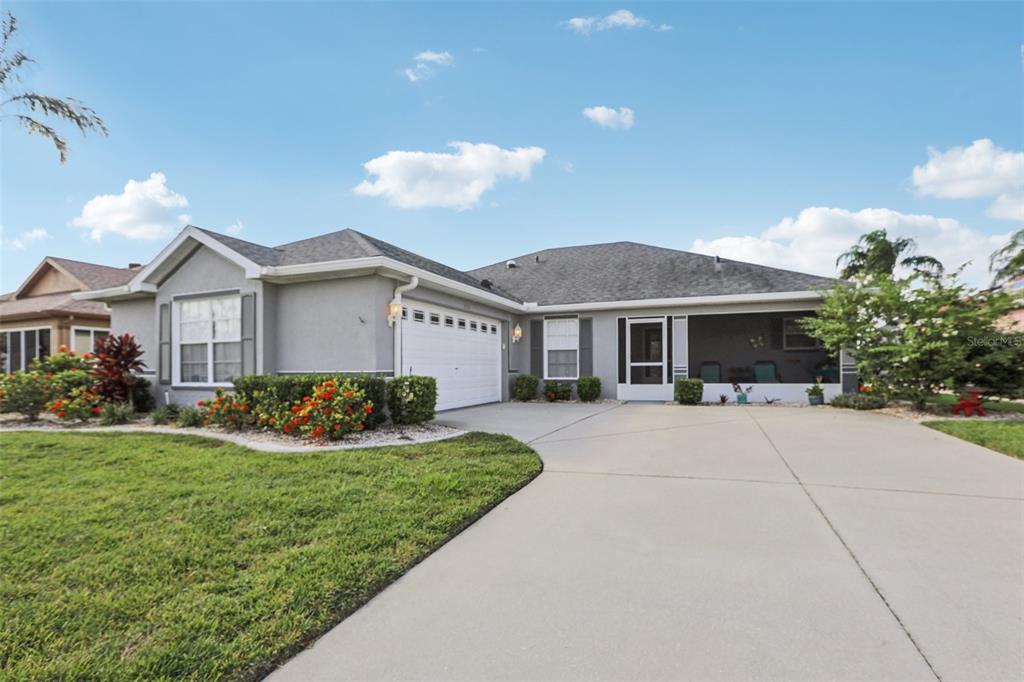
column 741, row 393
column 815, row 394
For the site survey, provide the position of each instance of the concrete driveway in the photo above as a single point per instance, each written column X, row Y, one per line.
column 724, row 543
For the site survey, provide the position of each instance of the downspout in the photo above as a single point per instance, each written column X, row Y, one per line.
column 397, row 300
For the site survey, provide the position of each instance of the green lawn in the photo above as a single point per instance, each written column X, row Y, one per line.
column 1005, row 437
column 947, row 400
column 136, row 556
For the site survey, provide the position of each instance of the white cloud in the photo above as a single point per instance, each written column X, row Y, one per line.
column 981, row 170
column 606, row 117
column 414, row 179
column 1007, row 207
column 443, row 58
column 235, row 228
column 568, row 166
column 426, row 63
column 22, row 240
column 813, row 241
column 622, row 18
column 144, row 210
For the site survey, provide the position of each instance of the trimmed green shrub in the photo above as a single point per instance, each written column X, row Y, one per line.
column 525, row 387
column 272, row 395
column 588, row 389
column 689, row 391
column 142, row 397
column 858, row 401
column 165, row 414
column 112, row 414
column 189, row 417
column 412, row 399
column 557, row 390
column 25, row 393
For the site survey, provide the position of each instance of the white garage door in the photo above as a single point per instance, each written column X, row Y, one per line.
column 461, row 350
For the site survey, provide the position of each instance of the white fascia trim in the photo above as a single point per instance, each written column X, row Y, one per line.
column 676, row 302
column 138, row 283
column 252, row 270
column 114, row 293
column 463, row 290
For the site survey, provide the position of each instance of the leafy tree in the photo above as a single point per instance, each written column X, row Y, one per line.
column 31, row 104
column 875, row 254
column 912, row 337
column 995, row 364
column 1007, row 263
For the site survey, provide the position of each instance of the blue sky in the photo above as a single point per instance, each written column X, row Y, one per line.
column 760, row 131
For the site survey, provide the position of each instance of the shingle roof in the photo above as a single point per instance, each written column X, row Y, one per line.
column 93, row 275
column 625, row 271
column 619, row 271
column 257, row 253
column 342, row 245
column 60, row 303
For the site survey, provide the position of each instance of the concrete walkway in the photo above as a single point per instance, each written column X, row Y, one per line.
column 703, row 543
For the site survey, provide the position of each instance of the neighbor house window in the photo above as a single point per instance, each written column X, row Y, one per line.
column 210, row 339
column 83, row 339
column 18, row 347
column 795, row 338
column 561, row 348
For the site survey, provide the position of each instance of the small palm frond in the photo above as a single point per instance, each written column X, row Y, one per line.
column 8, row 25
column 924, row 264
column 66, row 108
column 36, row 128
column 1008, row 262
column 9, row 65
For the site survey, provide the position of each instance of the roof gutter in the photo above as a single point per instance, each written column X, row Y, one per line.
column 115, row 293
column 395, row 320
column 774, row 297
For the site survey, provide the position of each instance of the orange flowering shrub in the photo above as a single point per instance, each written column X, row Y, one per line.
column 80, row 403
column 332, row 411
column 227, row 410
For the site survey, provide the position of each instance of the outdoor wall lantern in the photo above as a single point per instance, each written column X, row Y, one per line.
column 517, row 334
column 394, row 312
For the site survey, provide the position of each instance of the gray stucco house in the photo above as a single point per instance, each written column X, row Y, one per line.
column 211, row 307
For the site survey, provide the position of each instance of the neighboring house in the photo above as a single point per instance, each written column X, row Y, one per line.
column 211, row 307
column 41, row 316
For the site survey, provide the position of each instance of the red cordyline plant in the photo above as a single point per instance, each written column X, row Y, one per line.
column 117, row 357
column 331, row 412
